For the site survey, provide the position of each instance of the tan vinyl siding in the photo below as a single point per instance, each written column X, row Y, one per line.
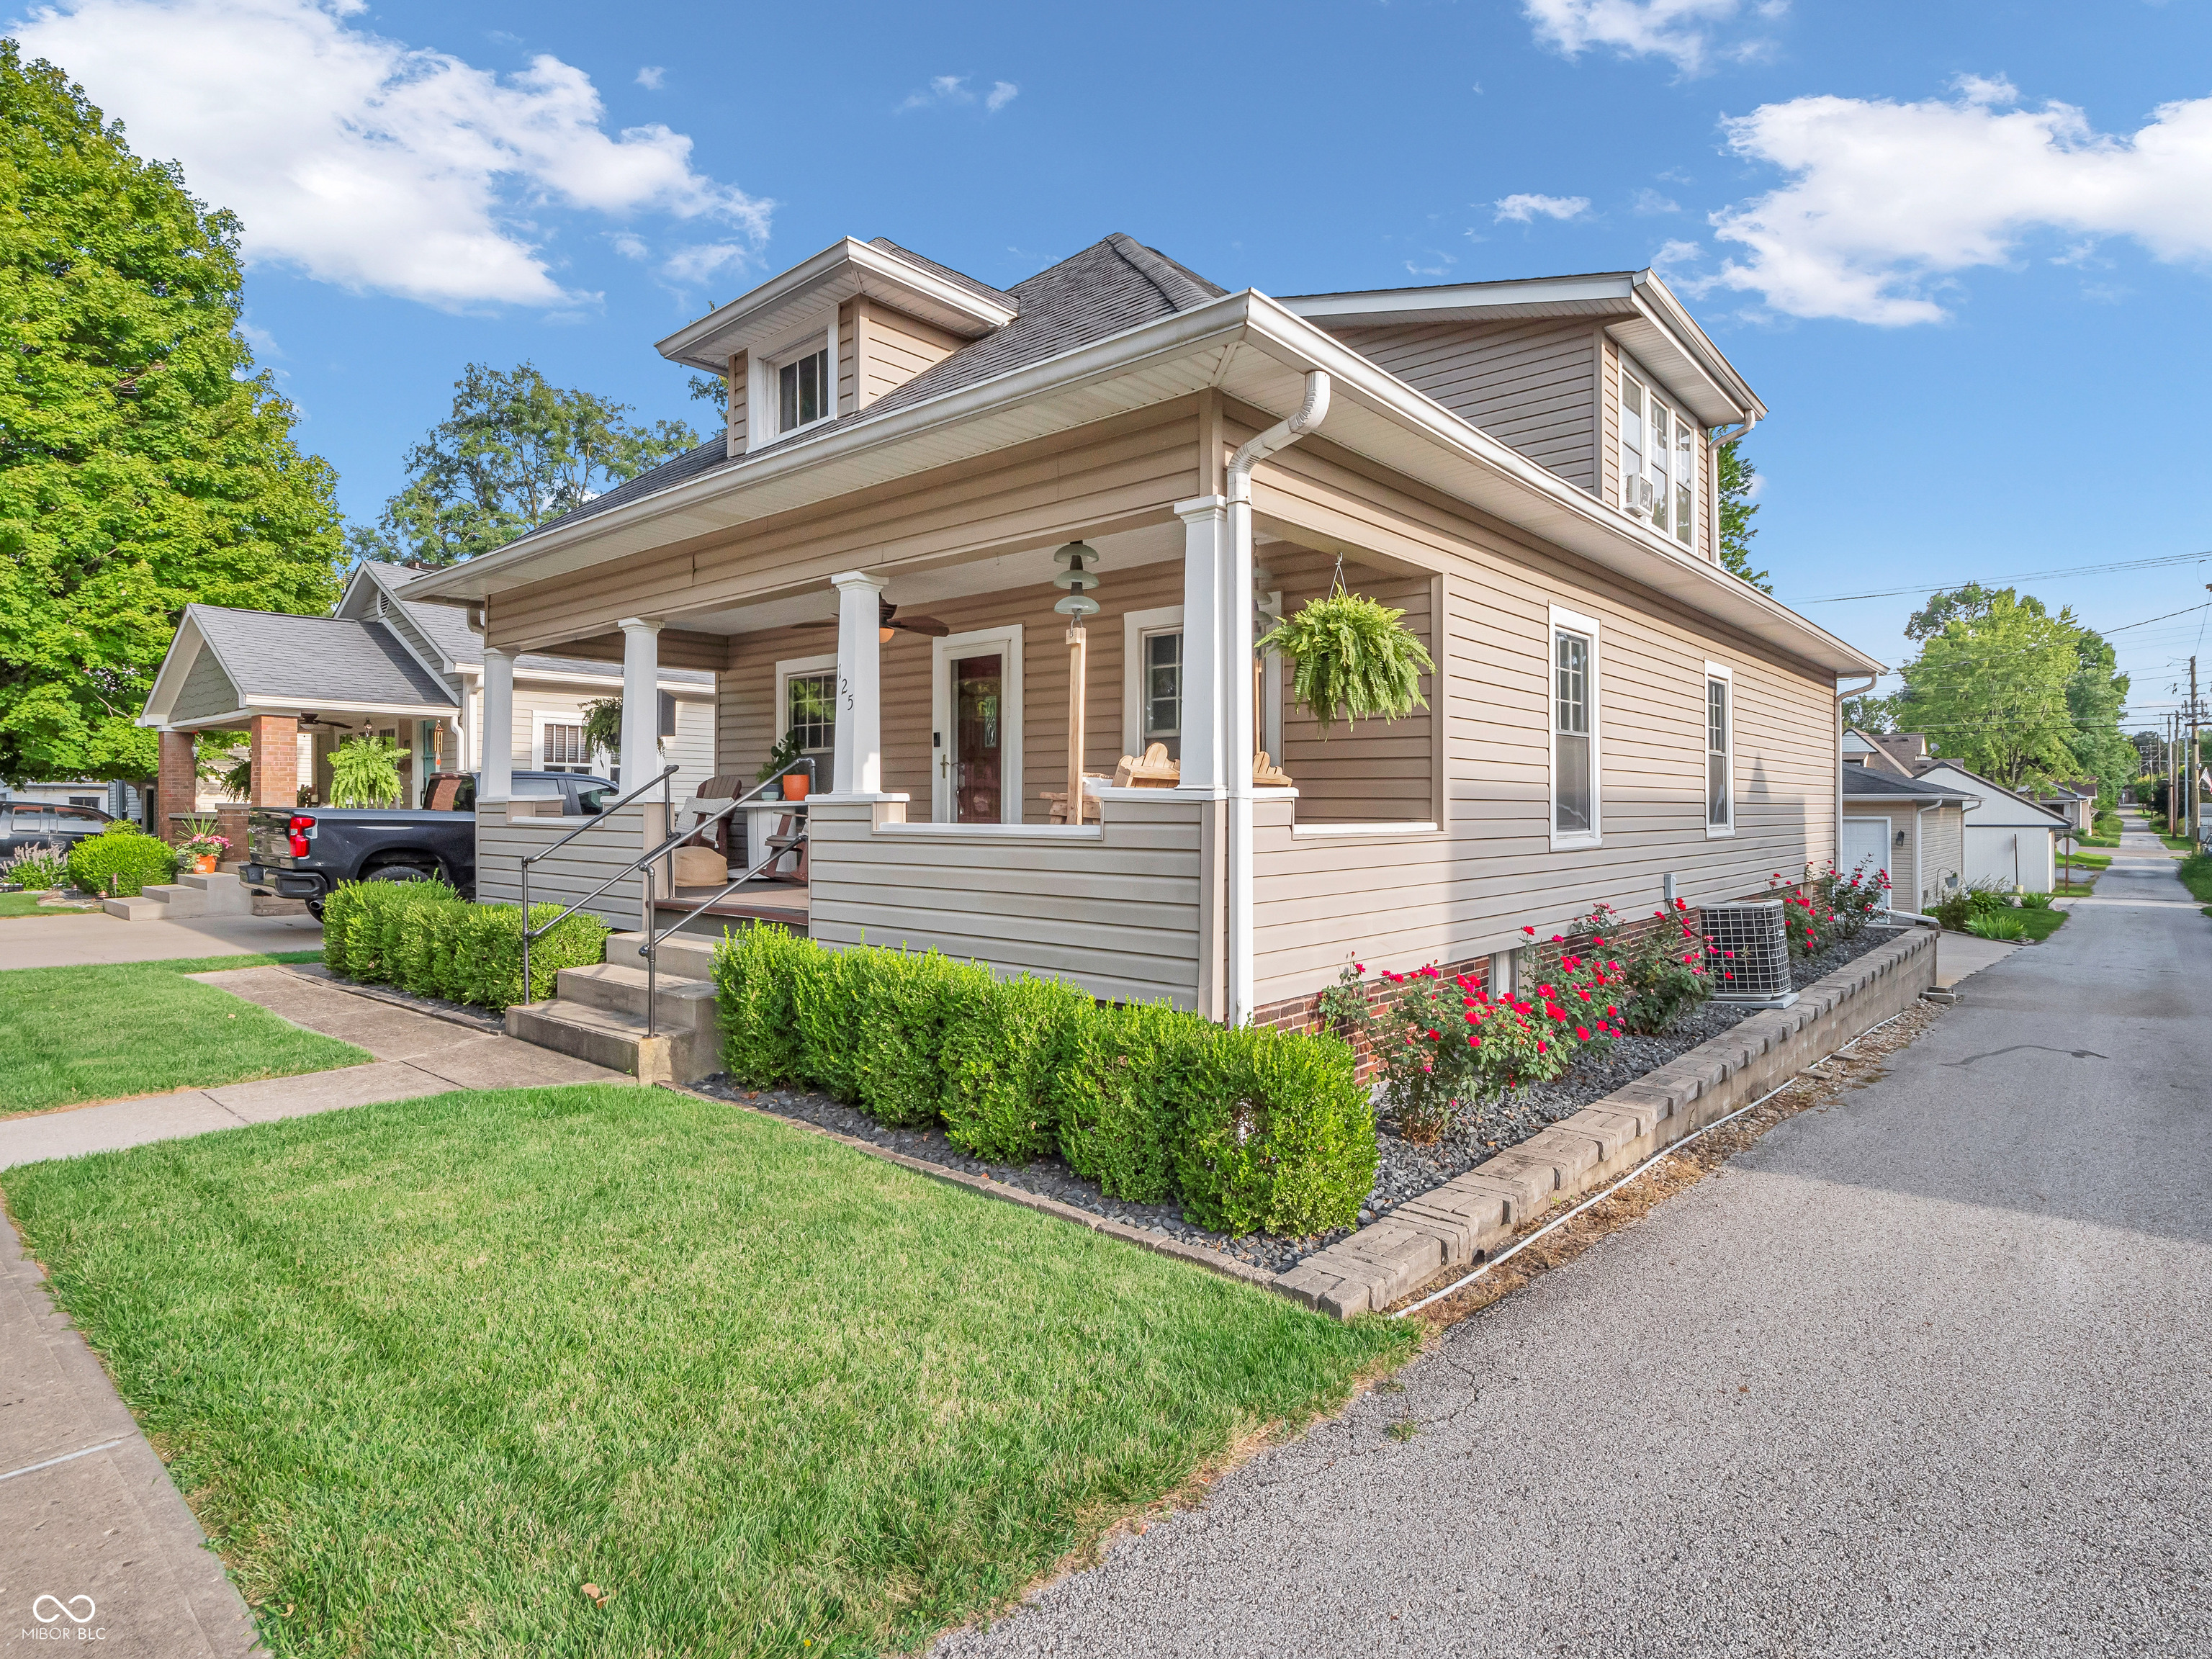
column 1529, row 383
column 1608, row 410
column 1116, row 912
column 893, row 348
column 1408, row 899
column 1945, row 855
column 1127, row 471
column 734, row 415
column 206, row 690
column 567, row 876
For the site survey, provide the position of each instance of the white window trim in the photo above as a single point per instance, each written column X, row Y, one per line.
column 785, row 671
column 1008, row 640
column 1135, row 625
column 761, row 367
column 542, row 718
column 1573, row 621
column 1632, row 370
column 1726, row 675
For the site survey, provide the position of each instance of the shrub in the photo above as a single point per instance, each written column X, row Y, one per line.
column 1250, row 1128
column 423, row 937
column 37, row 868
column 1279, row 1134
column 1998, row 924
column 1664, row 973
column 2035, row 901
column 124, row 851
column 1006, row 1042
column 1952, row 910
column 1116, row 1097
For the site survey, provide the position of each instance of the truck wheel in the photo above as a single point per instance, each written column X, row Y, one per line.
column 401, row 872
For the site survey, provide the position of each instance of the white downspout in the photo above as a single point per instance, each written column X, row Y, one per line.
column 1843, row 691
column 1236, row 679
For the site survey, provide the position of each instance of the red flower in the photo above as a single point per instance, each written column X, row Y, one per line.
column 1473, row 1040
column 1612, row 1012
column 1358, row 967
column 1582, row 1032
column 1730, row 955
column 1530, row 931
column 1539, row 1045
column 1436, row 1037
column 1584, row 995
column 1598, row 942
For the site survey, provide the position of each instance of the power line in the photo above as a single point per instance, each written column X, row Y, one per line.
column 2024, row 576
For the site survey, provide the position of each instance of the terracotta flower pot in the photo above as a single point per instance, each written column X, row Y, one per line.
column 204, row 863
column 795, row 785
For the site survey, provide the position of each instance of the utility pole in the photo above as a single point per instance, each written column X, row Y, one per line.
column 2194, row 807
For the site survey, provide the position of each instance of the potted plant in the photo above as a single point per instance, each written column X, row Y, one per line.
column 202, row 847
column 786, row 753
column 365, row 772
column 1355, row 658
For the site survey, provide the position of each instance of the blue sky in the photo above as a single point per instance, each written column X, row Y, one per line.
column 1962, row 251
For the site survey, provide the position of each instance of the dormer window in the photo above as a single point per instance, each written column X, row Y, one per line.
column 1658, row 459
column 803, row 395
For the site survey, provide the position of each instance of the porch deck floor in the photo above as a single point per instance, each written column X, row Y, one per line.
column 756, row 901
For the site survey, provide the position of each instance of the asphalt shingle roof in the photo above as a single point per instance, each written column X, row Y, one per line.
column 1107, row 287
column 316, row 659
column 1863, row 782
column 448, row 628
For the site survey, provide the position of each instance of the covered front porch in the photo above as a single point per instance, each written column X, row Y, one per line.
column 944, row 715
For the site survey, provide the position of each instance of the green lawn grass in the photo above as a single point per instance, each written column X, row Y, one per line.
column 2196, row 873
column 425, row 1369
column 138, row 1028
column 2042, row 924
column 26, row 904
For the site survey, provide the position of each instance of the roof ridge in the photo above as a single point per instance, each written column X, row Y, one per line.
column 1183, row 289
column 937, row 267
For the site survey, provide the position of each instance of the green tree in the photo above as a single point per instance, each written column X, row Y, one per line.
column 516, row 453
column 1875, row 716
column 1968, row 604
column 143, row 465
column 1738, row 479
column 1994, row 688
column 2095, row 696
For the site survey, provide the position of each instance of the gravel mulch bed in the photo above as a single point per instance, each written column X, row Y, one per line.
column 1404, row 1170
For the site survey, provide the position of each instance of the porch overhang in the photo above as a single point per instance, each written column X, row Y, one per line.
column 1245, row 345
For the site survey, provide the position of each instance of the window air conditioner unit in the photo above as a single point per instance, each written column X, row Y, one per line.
column 1749, row 956
column 1636, row 495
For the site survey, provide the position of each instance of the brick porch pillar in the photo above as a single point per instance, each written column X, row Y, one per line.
column 274, row 741
column 176, row 784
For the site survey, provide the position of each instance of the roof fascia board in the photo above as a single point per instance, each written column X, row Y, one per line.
column 687, row 344
column 1988, row 783
column 1658, row 301
column 1247, row 318
column 1412, row 304
column 263, row 702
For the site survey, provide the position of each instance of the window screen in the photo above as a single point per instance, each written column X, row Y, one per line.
column 802, row 390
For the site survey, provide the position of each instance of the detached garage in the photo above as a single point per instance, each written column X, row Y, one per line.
column 2011, row 842
column 1912, row 830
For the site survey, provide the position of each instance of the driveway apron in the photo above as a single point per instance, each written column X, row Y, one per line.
column 1924, row 1372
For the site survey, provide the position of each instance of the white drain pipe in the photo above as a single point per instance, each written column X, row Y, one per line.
column 1237, row 672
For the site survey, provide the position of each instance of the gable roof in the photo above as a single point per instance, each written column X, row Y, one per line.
column 447, row 628
column 280, row 662
column 1861, row 783
column 1990, row 786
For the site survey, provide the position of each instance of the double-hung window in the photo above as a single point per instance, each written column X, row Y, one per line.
column 1162, row 692
column 1720, row 750
column 1573, row 713
column 1658, row 453
column 793, row 386
column 809, row 711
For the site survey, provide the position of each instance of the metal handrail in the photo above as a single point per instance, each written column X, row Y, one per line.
column 529, row 859
column 666, row 846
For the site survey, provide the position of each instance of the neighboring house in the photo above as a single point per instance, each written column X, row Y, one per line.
column 2076, row 802
column 1912, row 830
column 381, row 664
column 2009, row 841
column 866, row 557
column 116, row 798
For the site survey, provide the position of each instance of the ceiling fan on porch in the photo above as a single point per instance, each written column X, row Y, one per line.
column 891, row 623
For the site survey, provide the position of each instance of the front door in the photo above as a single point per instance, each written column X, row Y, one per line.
column 978, row 749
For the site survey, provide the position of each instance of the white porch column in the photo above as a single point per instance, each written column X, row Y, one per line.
column 641, row 722
column 858, row 768
column 498, row 741
column 1205, row 561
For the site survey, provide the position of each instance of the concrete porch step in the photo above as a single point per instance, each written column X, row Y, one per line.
column 680, row 1004
column 223, row 893
column 608, row 1037
column 136, row 909
column 681, row 958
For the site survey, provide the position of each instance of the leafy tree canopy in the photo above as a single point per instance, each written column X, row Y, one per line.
column 1875, row 716
column 2020, row 695
column 143, row 465
column 516, row 453
column 1738, row 476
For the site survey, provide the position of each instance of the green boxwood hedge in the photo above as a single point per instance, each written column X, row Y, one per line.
column 135, row 860
column 423, row 937
column 1252, row 1130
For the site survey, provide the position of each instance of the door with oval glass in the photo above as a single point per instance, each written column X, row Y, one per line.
column 975, row 757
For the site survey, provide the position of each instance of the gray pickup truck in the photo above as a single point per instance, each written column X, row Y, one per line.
column 304, row 852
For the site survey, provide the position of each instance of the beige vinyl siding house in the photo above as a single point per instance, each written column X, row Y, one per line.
column 1104, row 401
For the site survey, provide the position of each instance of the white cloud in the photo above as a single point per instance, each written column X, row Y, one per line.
column 1650, row 201
column 628, row 244
column 1689, row 33
column 1886, row 201
column 687, row 265
column 368, row 163
column 651, row 77
column 1523, row 207
column 950, row 91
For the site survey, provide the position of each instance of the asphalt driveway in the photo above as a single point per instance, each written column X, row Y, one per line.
column 1925, row 1372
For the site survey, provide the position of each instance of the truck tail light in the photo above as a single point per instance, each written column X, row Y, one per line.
column 298, row 830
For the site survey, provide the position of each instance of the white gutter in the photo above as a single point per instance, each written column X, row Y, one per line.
column 1237, row 662
column 1872, row 680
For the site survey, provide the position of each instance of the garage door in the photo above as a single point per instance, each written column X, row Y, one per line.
column 1866, row 846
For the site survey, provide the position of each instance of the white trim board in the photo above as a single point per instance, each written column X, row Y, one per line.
column 1007, row 641
column 1573, row 621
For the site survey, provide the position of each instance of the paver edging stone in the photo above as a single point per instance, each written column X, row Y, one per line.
column 1399, row 1252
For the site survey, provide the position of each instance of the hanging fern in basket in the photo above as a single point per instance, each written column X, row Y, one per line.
column 1355, row 658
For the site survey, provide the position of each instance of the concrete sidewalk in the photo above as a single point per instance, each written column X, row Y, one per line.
column 95, row 1544
column 75, row 941
column 415, row 1055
